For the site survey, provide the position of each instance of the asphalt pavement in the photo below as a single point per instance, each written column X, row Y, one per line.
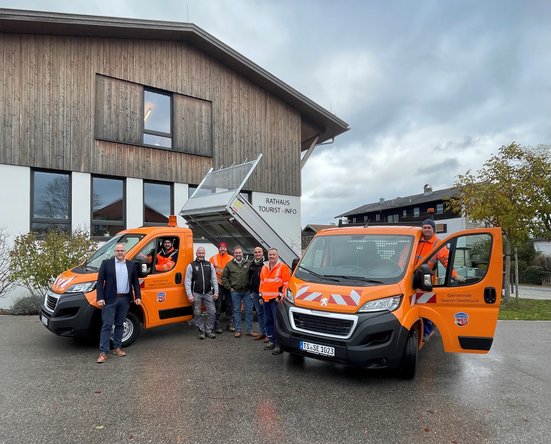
column 174, row 388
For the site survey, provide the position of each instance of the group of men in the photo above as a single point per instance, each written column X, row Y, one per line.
column 226, row 283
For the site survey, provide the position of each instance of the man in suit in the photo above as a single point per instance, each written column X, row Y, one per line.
column 117, row 287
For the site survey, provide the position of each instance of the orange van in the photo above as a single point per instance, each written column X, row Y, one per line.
column 70, row 307
column 357, row 297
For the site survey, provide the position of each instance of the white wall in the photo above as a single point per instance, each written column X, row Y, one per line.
column 134, row 202
column 282, row 213
column 15, row 199
column 81, row 184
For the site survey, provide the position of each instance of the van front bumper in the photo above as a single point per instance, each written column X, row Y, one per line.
column 370, row 340
column 69, row 315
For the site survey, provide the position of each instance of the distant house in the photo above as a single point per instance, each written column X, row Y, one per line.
column 410, row 210
column 309, row 231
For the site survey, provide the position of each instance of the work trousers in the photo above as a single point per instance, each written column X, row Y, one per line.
column 259, row 312
column 202, row 324
column 224, row 305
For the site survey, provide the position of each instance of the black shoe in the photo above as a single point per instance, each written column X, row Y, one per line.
column 218, row 331
column 202, row 335
column 269, row 346
column 277, row 350
column 211, row 335
column 231, row 328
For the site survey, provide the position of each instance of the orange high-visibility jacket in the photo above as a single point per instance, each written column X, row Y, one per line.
column 220, row 261
column 274, row 281
column 424, row 246
column 165, row 262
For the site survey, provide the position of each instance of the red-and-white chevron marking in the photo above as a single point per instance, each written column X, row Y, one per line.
column 352, row 299
column 422, row 298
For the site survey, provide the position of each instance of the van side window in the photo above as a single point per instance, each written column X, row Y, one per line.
column 167, row 254
column 462, row 261
column 147, row 254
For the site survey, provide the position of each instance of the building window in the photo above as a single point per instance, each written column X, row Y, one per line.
column 157, row 203
column 108, row 205
column 377, row 217
column 51, row 201
column 404, row 213
column 439, row 208
column 416, row 212
column 157, row 125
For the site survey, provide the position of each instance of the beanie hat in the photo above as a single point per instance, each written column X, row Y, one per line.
column 223, row 244
column 431, row 223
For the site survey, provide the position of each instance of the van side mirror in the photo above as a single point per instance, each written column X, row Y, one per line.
column 422, row 278
column 141, row 268
column 294, row 264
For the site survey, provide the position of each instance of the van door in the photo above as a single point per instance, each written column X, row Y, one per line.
column 464, row 301
column 163, row 294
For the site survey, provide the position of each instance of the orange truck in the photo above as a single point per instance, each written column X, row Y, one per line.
column 358, row 297
column 70, row 307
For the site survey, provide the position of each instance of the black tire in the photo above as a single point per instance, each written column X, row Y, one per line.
column 408, row 365
column 132, row 329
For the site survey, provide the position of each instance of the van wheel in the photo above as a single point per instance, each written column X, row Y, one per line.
column 409, row 359
column 132, row 329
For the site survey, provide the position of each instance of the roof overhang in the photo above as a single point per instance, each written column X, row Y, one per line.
column 314, row 117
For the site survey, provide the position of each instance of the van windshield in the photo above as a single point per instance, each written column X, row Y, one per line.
column 356, row 259
column 106, row 250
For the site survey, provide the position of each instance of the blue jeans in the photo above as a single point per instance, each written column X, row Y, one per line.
column 236, row 298
column 114, row 313
column 259, row 312
column 270, row 315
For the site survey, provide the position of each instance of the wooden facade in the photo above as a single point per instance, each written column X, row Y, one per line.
column 75, row 103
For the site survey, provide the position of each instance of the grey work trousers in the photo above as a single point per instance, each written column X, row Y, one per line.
column 202, row 324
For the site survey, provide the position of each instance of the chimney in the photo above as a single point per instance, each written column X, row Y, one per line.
column 427, row 189
column 381, row 200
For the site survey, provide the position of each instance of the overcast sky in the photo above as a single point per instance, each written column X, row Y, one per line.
column 430, row 88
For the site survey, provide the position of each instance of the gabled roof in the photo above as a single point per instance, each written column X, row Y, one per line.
column 49, row 23
column 401, row 202
column 317, row 227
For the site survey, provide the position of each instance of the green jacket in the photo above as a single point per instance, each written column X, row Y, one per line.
column 236, row 276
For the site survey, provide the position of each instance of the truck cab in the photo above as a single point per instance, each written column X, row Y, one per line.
column 358, row 296
column 70, row 307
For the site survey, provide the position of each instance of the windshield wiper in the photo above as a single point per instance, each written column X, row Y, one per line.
column 321, row 276
column 356, row 278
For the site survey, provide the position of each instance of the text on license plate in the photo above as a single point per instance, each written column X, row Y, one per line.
column 44, row 320
column 317, row 348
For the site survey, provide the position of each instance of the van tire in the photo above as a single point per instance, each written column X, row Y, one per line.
column 408, row 365
column 132, row 329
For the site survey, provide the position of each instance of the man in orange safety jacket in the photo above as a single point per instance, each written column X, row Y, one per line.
column 167, row 257
column 274, row 279
column 224, row 302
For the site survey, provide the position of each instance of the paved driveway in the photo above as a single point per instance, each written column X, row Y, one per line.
column 173, row 388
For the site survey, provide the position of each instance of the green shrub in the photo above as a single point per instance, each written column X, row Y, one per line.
column 534, row 274
column 35, row 261
column 29, row 305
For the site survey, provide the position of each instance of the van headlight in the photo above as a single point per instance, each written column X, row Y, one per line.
column 290, row 296
column 83, row 287
column 386, row 304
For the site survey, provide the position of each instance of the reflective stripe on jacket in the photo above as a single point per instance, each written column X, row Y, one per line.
column 274, row 281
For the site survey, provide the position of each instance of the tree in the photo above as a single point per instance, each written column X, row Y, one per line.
column 37, row 261
column 511, row 191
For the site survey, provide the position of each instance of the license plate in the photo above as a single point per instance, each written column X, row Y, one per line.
column 317, row 349
column 44, row 320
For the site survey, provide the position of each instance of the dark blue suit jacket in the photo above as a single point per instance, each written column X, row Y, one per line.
column 106, row 288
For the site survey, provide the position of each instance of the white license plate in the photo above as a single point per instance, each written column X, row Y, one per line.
column 44, row 320
column 317, row 349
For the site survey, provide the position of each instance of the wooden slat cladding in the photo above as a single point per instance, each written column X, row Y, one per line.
column 118, row 113
column 49, row 97
column 192, row 125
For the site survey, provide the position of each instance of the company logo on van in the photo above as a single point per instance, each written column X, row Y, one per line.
column 461, row 319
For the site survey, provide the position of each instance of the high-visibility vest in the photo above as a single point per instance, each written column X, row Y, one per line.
column 164, row 261
column 274, row 281
column 220, row 261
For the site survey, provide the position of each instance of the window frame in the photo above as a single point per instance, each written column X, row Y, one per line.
column 171, row 197
column 169, row 135
column 115, row 223
column 44, row 220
